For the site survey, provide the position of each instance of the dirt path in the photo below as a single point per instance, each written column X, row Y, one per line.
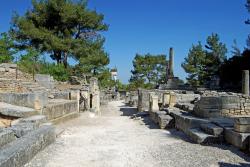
column 115, row 140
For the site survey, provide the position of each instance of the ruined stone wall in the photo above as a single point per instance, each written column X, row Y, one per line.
column 11, row 86
column 9, row 71
column 214, row 104
column 166, row 98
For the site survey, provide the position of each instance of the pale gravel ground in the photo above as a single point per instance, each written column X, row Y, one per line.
column 115, row 140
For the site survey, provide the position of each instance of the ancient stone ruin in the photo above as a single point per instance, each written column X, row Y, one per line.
column 29, row 108
column 206, row 116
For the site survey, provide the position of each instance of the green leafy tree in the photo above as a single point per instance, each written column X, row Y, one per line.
column 58, row 71
column 95, row 61
column 235, row 49
column 231, row 70
column 6, row 48
column 149, row 70
column 30, row 61
column 215, row 56
column 203, row 64
column 195, row 65
column 105, row 79
column 61, row 28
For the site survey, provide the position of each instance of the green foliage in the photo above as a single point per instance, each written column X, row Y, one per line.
column 33, row 64
column 236, row 51
column 61, row 28
column 195, row 65
column 215, row 56
column 202, row 64
column 105, row 80
column 149, row 70
column 56, row 70
column 30, row 61
column 95, row 61
column 231, row 70
column 6, row 48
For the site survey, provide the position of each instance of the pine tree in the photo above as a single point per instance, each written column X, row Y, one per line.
column 203, row 64
column 6, row 48
column 149, row 70
column 61, row 28
column 195, row 65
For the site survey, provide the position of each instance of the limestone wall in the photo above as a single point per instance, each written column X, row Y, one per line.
column 222, row 104
column 33, row 100
column 166, row 98
column 11, row 86
column 9, row 71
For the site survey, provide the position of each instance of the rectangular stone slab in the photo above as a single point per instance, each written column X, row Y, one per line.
column 242, row 120
column 242, row 128
column 212, row 129
column 200, row 137
column 237, row 139
column 6, row 136
column 16, row 111
column 21, row 151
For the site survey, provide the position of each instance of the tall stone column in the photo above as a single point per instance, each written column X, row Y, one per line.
column 245, row 82
column 171, row 62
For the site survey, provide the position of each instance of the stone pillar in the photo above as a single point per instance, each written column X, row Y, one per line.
column 75, row 95
column 139, row 105
column 153, row 103
column 165, row 99
column 172, row 100
column 171, row 62
column 245, row 82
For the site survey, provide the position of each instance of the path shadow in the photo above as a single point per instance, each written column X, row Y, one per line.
column 132, row 113
column 223, row 164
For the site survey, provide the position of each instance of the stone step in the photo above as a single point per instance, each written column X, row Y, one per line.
column 165, row 121
column 223, row 122
column 184, row 120
column 60, row 107
column 37, row 119
column 212, row 129
column 200, row 137
column 16, row 111
column 239, row 140
column 21, row 151
column 6, row 136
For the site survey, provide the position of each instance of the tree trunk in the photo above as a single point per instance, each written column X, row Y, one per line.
column 65, row 59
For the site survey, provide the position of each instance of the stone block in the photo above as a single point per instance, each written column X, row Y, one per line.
column 185, row 121
column 166, row 99
column 223, row 122
column 212, row 129
column 22, row 129
column 165, row 121
column 153, row 103
column 46, row 81
column 21, row 151
column 239, row 140
column 229, row 102
column 16, row 111
column 242, row 120
column 200, row 137
column 242, row 128
column 37, row 119
column 59, row 107
column 36, row 100
column 6, row 136
column 61, row 95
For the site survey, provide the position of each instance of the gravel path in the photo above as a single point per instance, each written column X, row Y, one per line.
column 115, row 140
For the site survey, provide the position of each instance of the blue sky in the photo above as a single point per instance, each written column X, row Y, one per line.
column 152, row 26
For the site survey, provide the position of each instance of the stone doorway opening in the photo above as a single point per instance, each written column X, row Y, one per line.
column 91, row 101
